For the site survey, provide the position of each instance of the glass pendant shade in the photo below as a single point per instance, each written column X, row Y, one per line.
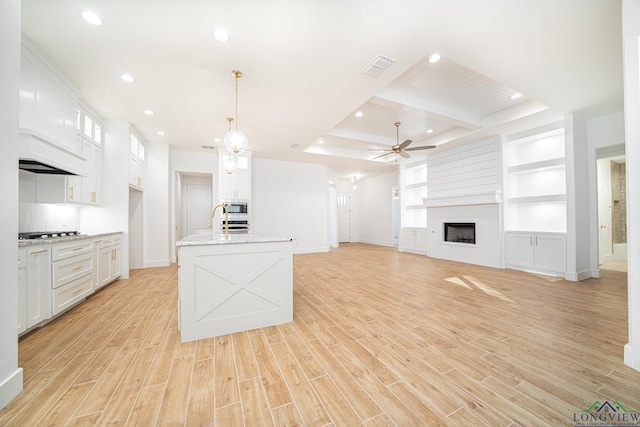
column 235, row 141
column 229, row 165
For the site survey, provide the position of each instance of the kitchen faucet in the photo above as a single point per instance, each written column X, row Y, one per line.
column 226, row 219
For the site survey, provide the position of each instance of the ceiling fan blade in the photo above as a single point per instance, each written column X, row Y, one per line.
column 382, row 155
column 404, row 144
column 424, row 147
column 404, row 154
column 380, row 150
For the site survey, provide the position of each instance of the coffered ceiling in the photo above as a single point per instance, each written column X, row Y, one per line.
column 304, row 62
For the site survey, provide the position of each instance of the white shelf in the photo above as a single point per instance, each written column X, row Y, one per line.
column 416, row 207
column 544, row 165
column 549, row 198
column 416, row 185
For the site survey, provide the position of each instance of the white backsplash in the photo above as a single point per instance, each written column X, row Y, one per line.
column 34, row 216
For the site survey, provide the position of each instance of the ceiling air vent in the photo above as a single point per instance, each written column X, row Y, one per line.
column 378, row 65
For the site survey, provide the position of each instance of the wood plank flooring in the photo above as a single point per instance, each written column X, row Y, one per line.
column 379, row 338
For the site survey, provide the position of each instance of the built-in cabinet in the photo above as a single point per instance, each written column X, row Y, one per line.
column 541, row 252
column 72, row 273
column 413, row 240
column 136, row 162
column 413, row 213
column 108, row 255
column 535, row 181
column 53, row 277
column 75, row 189
column 37, row 304
column 22, row 290
column 235, row 185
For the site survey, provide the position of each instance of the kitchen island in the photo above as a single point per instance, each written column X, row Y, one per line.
column 232, row 284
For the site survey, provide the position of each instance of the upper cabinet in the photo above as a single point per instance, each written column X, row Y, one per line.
column 535, row 180
column 77, row 189
column 236, row 185
column 136, row 162
column 48, row 114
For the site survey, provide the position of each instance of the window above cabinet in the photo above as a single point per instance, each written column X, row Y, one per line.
column 88, row 126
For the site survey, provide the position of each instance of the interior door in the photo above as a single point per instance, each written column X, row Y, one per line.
column 344, row 217
column 604, row 209
column 199, row 208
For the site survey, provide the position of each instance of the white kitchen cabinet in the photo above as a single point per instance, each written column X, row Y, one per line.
column 92, row 183
column 73, row 273
column 58, row 189
column 109, row 268
column 22, row 290
column 38, row 285
column 413, row 239
column 540, row 252
column 48, row 103
column 136, row 162
column 236, row 185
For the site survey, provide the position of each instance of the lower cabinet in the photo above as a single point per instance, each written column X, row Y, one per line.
column 37, row 305
column 72, row 273
column 22, row 290
column 109, row 250
column 541, row 252
column 413, row 239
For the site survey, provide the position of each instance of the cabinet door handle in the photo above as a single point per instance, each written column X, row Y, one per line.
column 536, row 240
column 530, row 240
column 78, row 248
column 38, row 252
column 78, row 291
column 80, row 267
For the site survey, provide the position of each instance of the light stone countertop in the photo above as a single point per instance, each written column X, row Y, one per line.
column 211, row 238
column 37, row 242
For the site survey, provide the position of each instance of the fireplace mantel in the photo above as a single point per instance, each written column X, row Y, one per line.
column 464, row 200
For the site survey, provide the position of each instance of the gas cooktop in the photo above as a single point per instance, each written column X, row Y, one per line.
column 30, row 235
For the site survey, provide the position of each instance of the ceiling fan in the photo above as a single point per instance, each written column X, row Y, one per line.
column 401, row 148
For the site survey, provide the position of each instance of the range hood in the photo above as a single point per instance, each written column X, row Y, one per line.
column 39, row 155
column 39, row 167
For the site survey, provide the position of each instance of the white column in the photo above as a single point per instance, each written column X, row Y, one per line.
column 631, row 60
column 10, row 373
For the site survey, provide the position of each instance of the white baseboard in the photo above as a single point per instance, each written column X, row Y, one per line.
column 10, row 387
column 156, row 263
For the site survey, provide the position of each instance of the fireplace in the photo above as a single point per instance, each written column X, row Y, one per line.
column 460, row 232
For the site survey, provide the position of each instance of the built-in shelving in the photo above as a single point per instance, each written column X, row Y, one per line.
column 535, row 180
column 413, row 188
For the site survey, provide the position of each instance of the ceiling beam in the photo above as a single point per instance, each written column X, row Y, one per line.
column 361, row 136
column 433, row 109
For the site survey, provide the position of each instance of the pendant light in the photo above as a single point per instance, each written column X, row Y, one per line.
column 236, row 141
column 228, row 165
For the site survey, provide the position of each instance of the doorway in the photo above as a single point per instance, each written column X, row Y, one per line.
column 612, row 219
column 333, row 216
column 344, row 217
column 194, row 204
column 135, row 229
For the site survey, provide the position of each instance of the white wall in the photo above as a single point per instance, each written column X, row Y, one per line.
column 631, row 55
column 291, row 199
column 375, row 205
column 186, row 162
column 156, row 206
column 10, row 373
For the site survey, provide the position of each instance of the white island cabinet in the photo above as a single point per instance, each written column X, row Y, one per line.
column 233, row 284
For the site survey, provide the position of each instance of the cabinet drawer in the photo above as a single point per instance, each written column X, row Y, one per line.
column 69, row 294
column 69, row 249
column 71, row 269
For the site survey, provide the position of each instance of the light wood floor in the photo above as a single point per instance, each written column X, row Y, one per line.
column 378, row 338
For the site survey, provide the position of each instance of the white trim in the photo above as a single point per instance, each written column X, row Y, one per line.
column 464, row 200
column 11, row 387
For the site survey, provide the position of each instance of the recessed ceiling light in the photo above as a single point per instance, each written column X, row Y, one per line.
column 321, row 141
column 516, row 95
column 434, row 58
column 217, row 140
column 161, row 133
column 359, row 114
column 92, row 18
column 149, row 112
column 221, row 35
column 128, row 78
column 429, row 130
